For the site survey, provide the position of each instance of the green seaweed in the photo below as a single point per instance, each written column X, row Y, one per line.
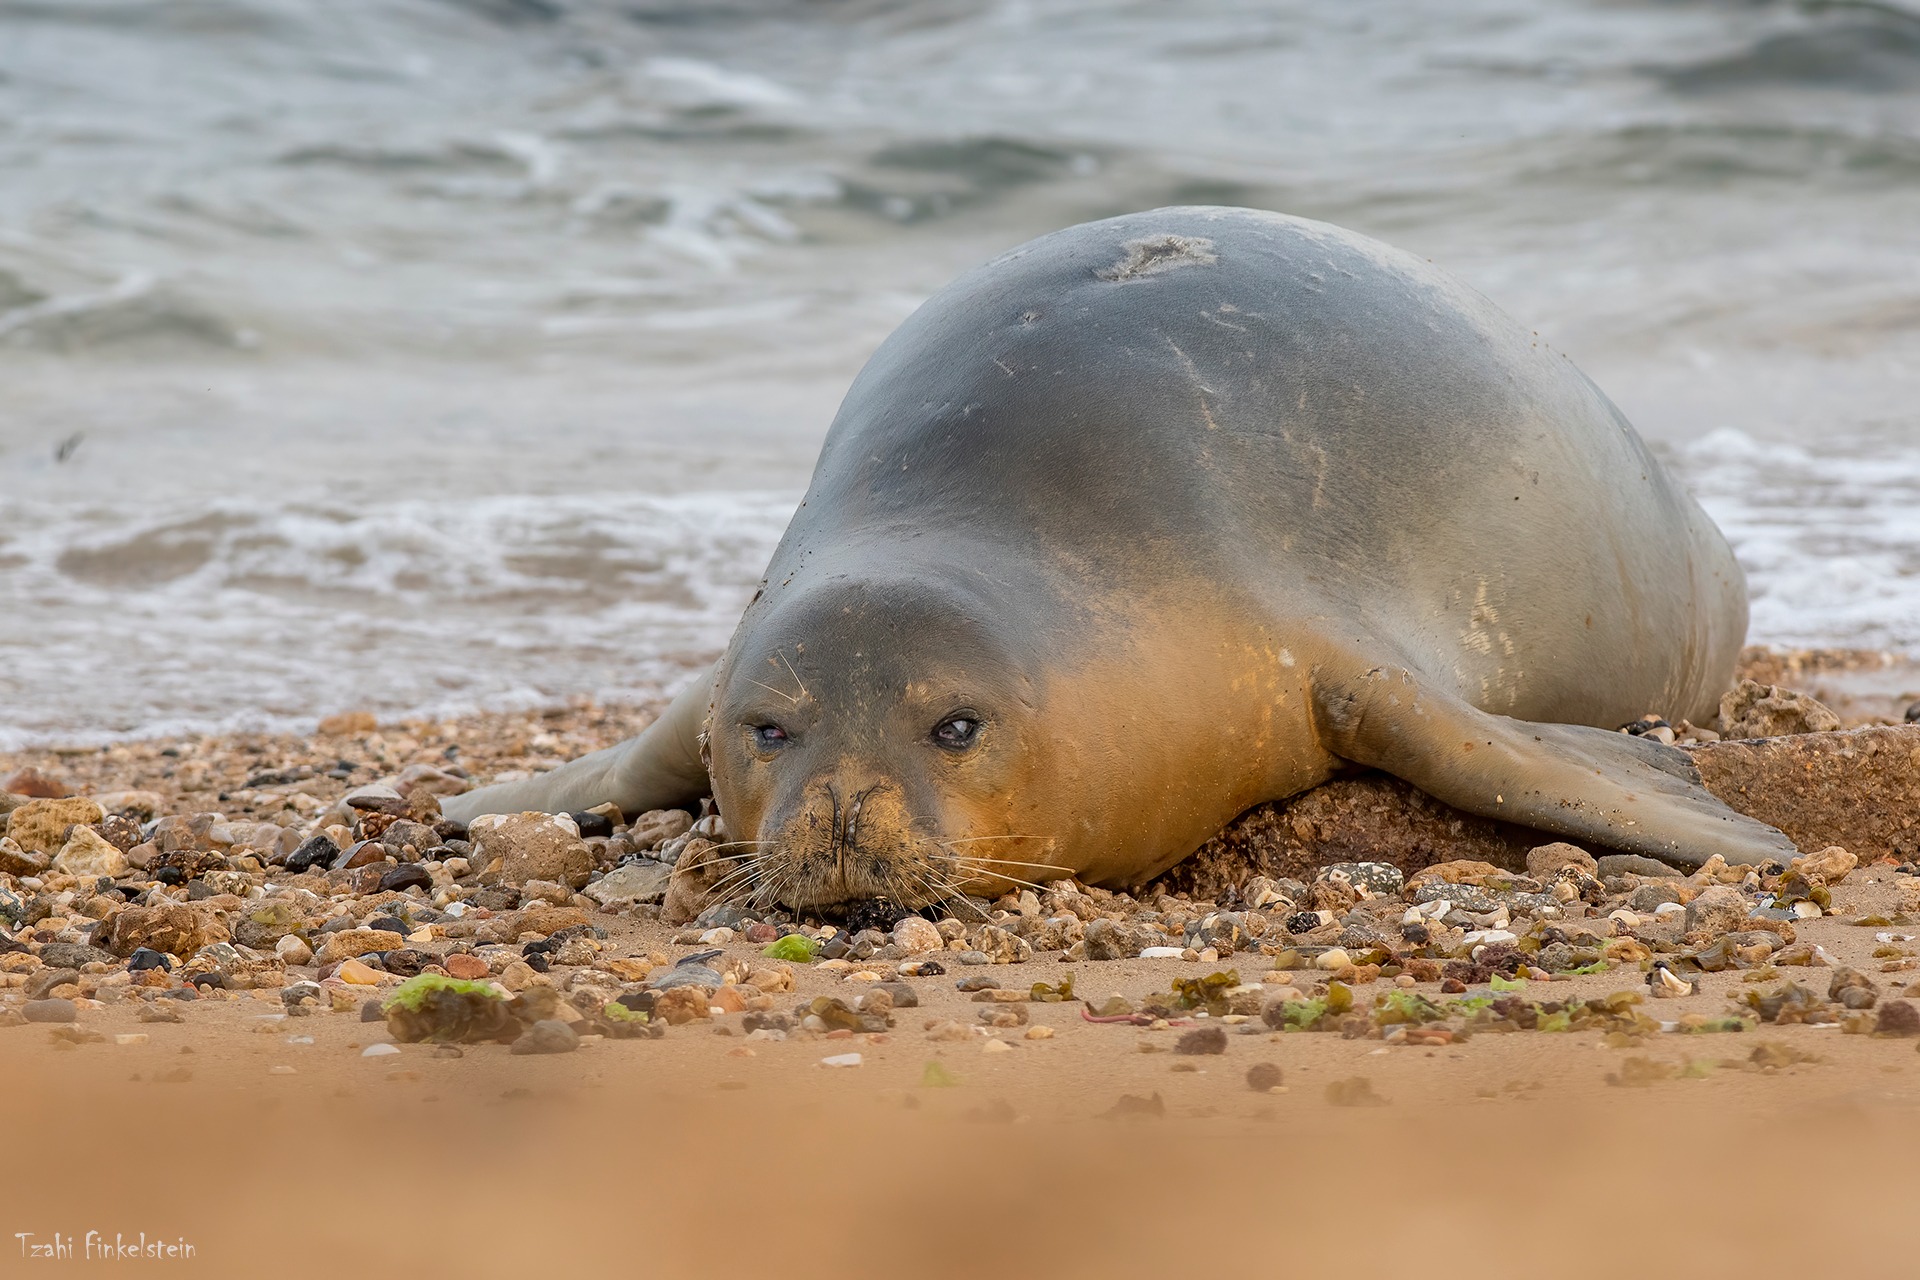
column 614, row 1011
column 1405, row 1006
column 796, row 947
column 1560, row 1020
column 936, row 1076
column 1499, row 983
column 1208, row 992
column 1598, row 966
column 1301, row 1015
column 413, row 994
column 1044, row 993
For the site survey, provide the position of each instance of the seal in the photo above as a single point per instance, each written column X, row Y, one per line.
column 1157, row 518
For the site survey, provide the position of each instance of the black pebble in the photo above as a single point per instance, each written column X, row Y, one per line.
column 639, row 1001
column 592, row 824
column 408, row 875
column 209, row 980
column 538, row 962
column 389, row 923
column 319, row 851
column 1913, row 714
column 169, row 876
column 1303, row 922
column 1417, row 934
column 370, row 1012
column 148, row 958
column 931, row 969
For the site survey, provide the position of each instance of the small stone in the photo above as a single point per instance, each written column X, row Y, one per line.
column 147, row 958
column 464, row 965
column 841, row 1060
column 86, row 853
column 50, row 1011
column 1333, row 959
column 1716, row 910
column 1755, row 710
column 1898, row 1018
column 178, row 928
column 35, row 785
column 1039, row 1033
column 358, row 974
column 634, row 882
column 1264, row 1077
column 1106, row 940
column 381, row 1050
column 347, row 944
column 1548, row 860
column 293, row 950
column 131, row 1037
column 547, row 1036
column 916, row 936
column 1202, row 1040
column 996, row 1046
column 1830, row 865
column 533, row 846
column 43, row 826
column 408, row 875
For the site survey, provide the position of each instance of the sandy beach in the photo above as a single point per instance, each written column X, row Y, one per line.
column 252, row 1092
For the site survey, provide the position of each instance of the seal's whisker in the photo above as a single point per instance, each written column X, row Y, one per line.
column 791, row 700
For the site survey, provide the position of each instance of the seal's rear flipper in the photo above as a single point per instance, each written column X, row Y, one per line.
column 1604, row 788
column 659, row 768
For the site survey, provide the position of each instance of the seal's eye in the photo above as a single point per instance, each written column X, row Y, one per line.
column 769, row 736
column 958, row 733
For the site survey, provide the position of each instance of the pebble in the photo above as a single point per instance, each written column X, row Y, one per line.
column 382, row 1050
column 50, row 1011
column 464, row 965
column 293, row 951
column 841, row 1060
column 549, row 1035
column 358, row 974
column 996, row 1046
column 131, row 1037
column 1161, row 953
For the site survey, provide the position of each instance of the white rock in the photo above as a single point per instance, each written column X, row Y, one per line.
column 917, row 937
column 1335, row 958
column 380, row 1051
column 293, row 950
column 635, row 882
column 841, row 1060
column 1161, row 953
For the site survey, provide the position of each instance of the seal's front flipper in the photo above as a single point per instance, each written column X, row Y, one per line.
column 1604, row 788
column 659, row 768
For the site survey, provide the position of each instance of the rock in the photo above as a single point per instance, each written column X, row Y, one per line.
column 346, row 944
column 73, row 955
column 15, row 861
column 358, row 974
column 50, row 1011
column 1381, row 879
column 1717, row 910
column 46, row 981
column 35, row 785
column 148, row 958
column 700, row 869
column 179, row 928
column 293, row 951
column 408, row 875
column 657, row 826
column 348, row 724
column 1755, row 710
column 916, row 936
column 634, row 882
column 1106, row 940
column 1830, row 865
column 518, row 976
column 1858, row 789
column 678, row 1006
column 87, row 854
column 403, row 835
column 1548, row 860
column 263, row 924
column 42, row 826
column 544, row 918
column 1898, row 1018
column 1202, row 1040
column 462, row 964
column 317, row 852
column 1264, row 1077
column 533, row 846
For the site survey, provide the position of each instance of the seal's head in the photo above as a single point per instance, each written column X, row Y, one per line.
column 873, row 738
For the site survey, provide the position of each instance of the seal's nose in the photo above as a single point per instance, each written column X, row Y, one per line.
column 847, row 804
